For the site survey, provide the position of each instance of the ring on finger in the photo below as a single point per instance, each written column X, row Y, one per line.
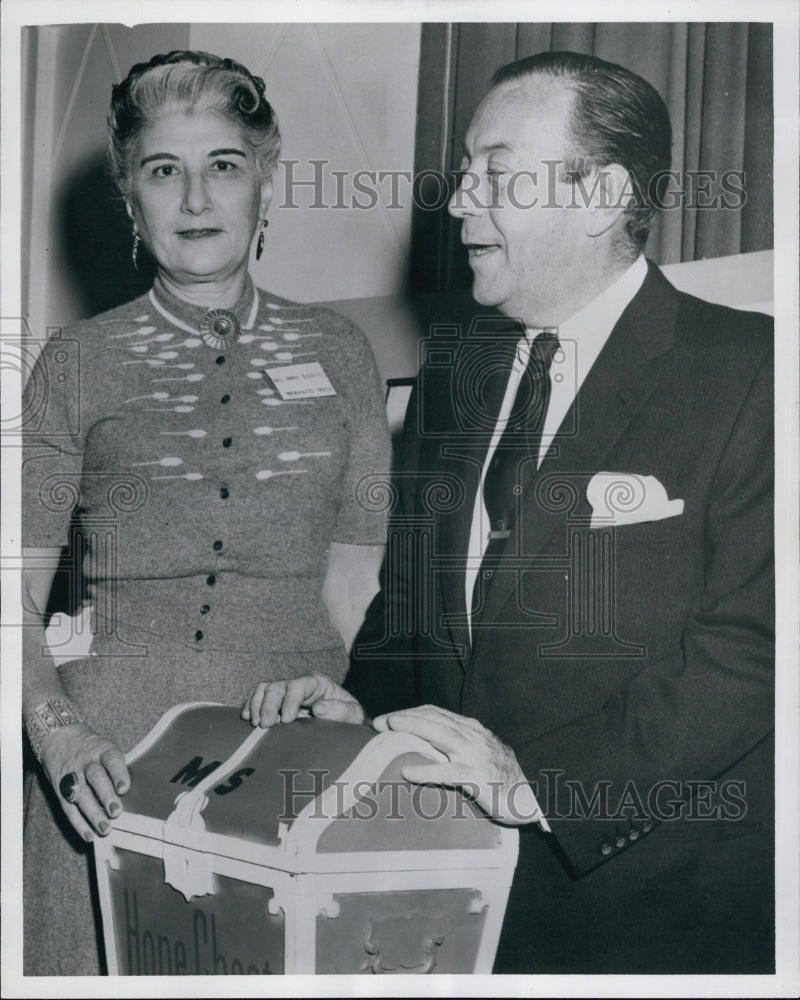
column 70, row 786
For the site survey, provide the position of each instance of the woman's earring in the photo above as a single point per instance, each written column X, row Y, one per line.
column 135, row 249
column 260, row 244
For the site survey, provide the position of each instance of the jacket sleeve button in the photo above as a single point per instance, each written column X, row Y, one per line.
column 620, row 841
column 605, row 849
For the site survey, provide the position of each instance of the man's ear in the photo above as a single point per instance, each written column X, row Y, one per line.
column 610, row 192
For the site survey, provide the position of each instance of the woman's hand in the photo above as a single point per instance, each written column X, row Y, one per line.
column 76, row 757
column 282, row 701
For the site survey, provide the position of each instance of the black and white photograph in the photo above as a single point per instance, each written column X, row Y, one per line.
column 400, row 498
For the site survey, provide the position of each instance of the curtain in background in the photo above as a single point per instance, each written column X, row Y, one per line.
column 716, row 79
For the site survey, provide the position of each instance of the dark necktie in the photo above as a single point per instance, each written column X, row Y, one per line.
column 520, row 441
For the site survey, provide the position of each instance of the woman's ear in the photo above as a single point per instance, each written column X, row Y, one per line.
column 266, row 196
column 610, row 194
column 129, row 210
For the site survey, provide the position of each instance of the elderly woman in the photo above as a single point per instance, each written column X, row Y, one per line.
column 212, row 438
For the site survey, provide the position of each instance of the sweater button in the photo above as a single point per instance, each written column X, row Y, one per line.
column 211, row 580
column 205, row 609
column 227, row 442
column 224, row 493
column 226, row 398
column 217, row 545
column 198, row 635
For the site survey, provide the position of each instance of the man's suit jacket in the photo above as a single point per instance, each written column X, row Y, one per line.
column 630, row 668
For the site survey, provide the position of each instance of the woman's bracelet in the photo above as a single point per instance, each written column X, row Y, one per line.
column 47, row 718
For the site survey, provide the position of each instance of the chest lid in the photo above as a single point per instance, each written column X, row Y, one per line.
column 297, row 797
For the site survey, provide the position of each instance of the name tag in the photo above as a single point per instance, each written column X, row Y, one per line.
column 301, row 381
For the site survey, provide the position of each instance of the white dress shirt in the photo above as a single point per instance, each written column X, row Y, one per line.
column 581, row 338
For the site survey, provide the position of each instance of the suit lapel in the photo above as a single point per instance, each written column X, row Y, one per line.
column 472, row 402
column 622, row 378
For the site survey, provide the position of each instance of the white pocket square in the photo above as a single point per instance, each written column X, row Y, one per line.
column 624, row 498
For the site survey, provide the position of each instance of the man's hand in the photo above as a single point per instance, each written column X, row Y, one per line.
column 479, row 764
column 282, row 701
column 91, row 770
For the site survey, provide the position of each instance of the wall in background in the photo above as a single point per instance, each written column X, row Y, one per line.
column 345, row 94
column 76, row 233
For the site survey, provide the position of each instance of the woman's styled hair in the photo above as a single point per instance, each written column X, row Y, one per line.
column 617, row 117
column 189, row 81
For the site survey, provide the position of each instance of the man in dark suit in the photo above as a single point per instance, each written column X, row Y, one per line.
column 582, row 618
